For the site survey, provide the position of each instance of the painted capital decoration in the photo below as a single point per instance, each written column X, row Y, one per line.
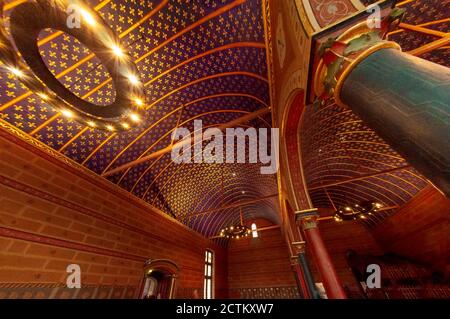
column 307, row 219
column 77, row 19
column 338, row 56
column 299, row 248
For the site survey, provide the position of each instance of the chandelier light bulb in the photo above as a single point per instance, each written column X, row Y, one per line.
column 117, row 50
column 87, row 17
column 133, row 79
column 138, row 102
column 67, row 113
column 17, row 72
column 43, row 96
column 134, row 117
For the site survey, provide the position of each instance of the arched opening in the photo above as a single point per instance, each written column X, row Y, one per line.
column 159, row 280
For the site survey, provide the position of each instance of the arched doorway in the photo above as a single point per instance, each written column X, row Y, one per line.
column 159, row 280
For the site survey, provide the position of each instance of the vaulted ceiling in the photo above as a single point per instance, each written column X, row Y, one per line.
column 198, row 60
column 206, row 59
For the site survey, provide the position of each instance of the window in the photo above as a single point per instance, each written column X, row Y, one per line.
column 208, row 284
column 254, row 231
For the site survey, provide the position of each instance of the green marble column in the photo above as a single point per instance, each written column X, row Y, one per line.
column 406, row 101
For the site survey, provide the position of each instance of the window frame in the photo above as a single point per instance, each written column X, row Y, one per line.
column 208, row 290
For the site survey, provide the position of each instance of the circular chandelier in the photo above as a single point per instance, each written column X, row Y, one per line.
column 28, row 19
column 353, row 212
column 237, row 232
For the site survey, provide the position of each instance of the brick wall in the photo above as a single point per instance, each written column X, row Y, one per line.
column 255, row 265
column 420, row 230
column 52, row 215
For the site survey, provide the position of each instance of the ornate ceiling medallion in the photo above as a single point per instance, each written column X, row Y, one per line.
column 78, row 20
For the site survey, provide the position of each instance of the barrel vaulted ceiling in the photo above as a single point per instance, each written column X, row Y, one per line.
column 203, row 59
column 343, row 158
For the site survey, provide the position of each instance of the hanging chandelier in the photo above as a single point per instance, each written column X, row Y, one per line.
column 353, row 212
column 236, row 231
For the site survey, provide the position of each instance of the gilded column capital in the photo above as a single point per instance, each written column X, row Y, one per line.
column 307, row 218
column 339, row 56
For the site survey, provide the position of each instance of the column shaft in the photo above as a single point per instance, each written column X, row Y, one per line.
column 307, row 220
column 406, row 101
